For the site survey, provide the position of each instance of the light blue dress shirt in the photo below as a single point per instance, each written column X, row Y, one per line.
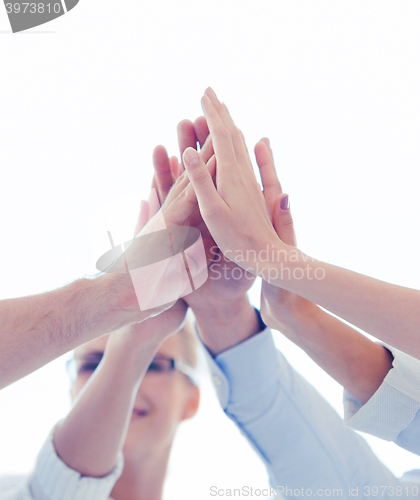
column 300, row 438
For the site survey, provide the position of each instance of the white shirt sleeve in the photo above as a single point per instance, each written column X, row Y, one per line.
column 392, row 413
column 297, row 434
column 52, row 479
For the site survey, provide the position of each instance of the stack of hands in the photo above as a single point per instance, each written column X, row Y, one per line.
column 247, row 232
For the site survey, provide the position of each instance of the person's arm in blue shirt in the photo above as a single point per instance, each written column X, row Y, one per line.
column 300, row 438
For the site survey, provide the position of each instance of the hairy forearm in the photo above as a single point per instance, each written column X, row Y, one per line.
column 226, row 324
column 37, row 329
column 386, row 311
column 90, row 437
column 354, row 361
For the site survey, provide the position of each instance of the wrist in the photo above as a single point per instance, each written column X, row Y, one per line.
column 137, row 338
column 225, row 324
column 285, row 265
column 128, row 357
column 299, row 322
column 121, row 303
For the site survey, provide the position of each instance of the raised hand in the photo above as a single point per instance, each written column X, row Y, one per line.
column 156, row 287
column 235, row 212
column 169, row 321
column 226, row 281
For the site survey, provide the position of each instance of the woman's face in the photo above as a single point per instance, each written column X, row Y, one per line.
column 163, row 400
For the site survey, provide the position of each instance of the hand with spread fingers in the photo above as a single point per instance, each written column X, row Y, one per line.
column 226, row 280
column 225, row 292
column 235, row 211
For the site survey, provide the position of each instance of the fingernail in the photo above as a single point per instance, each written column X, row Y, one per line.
column 284, row 204
column 210, row 92
column 191, row 157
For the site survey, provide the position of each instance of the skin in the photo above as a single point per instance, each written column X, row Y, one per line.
column 37, row 329
column 223, row 313
column 102, row 421
column 119, row 408
column 221, row 306
column 354, row 361
column 235, row 214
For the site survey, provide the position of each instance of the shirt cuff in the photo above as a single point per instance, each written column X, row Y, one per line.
column 393, row 406
column 245, row 370
column 52, row 479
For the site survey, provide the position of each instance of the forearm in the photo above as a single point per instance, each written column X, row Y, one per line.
column 225, row 324
column 386, row 311
column 354, row 361
column 300, row 438
column 37, row 329
column 93, row 433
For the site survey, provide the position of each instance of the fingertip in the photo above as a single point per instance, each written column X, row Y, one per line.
column 159, row 151
column 201, row 130
column 210, row 93
column 200, row 123
column 185, row 125
column 191, row 157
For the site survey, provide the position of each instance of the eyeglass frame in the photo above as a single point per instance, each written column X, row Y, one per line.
column 175, row 364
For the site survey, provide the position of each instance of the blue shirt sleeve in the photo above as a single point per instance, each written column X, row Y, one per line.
column 297, row 434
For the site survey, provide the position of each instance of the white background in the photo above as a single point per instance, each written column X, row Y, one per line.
column 84, row 100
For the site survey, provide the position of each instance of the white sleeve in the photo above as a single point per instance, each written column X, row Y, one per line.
column 14, row 488
column 392, row 413
column 52, row 479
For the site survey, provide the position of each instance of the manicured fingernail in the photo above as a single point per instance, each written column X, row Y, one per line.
column 191, row 157
column 284, row 204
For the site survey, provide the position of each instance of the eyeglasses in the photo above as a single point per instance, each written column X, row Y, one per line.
column 88, row 363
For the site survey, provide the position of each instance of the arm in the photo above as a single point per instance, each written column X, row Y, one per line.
column 223, row 297
column 91, row 436
column 354, row 361
column 299, row 437
column 393, row 412
column 35, row 330
column 235, row 214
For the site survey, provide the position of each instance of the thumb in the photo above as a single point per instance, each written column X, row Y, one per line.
column 282, row 220
column 201, row 179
